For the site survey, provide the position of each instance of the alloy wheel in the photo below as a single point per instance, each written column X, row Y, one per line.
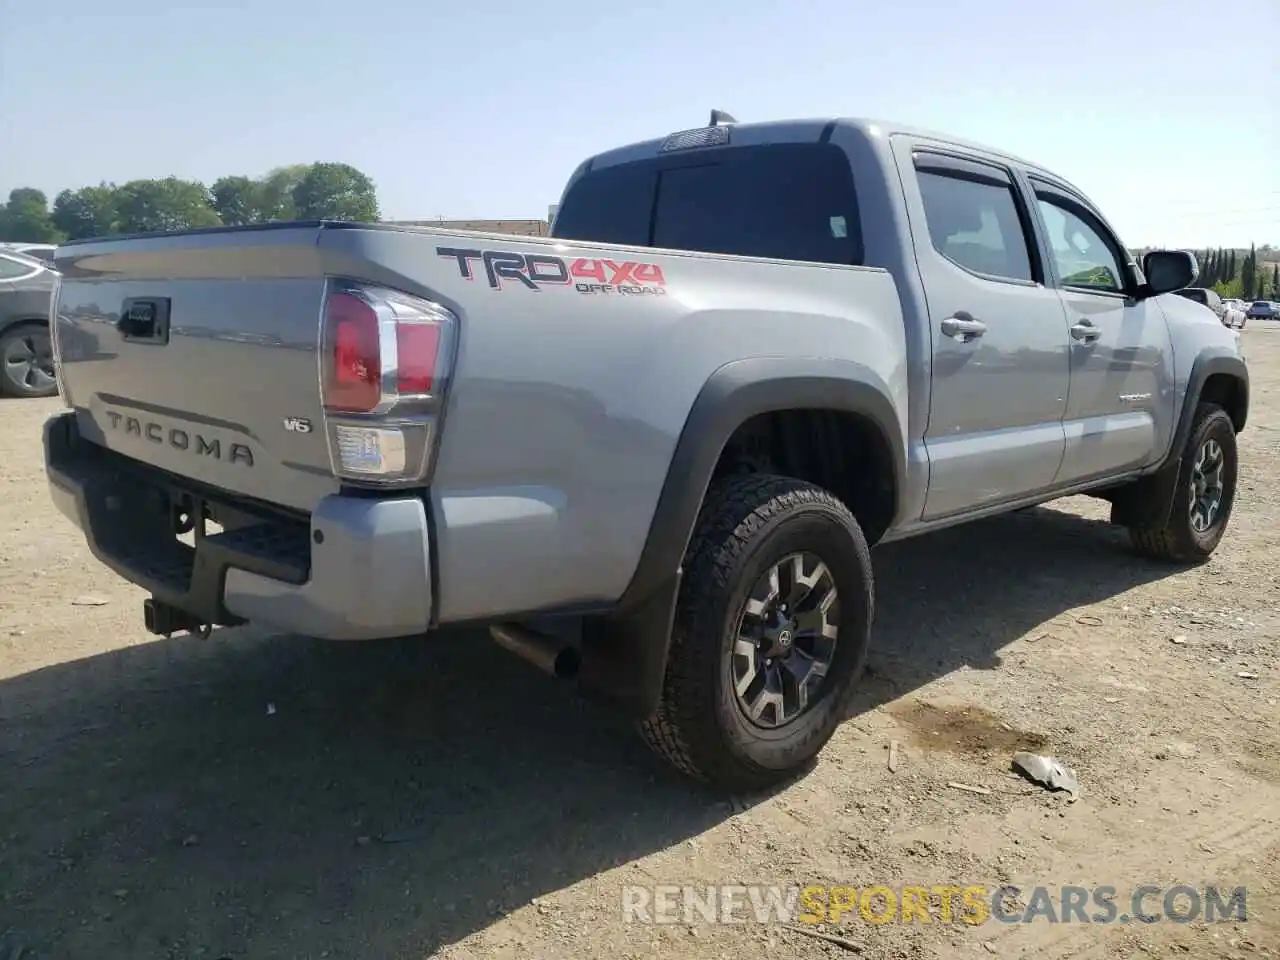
column 785, row 640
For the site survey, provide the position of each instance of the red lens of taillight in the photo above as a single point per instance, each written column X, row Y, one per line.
column 417, row 345
column 354, row 365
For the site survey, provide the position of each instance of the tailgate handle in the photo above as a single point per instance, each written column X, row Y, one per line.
column 144, row 320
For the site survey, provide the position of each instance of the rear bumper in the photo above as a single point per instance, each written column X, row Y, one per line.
column 356, row 569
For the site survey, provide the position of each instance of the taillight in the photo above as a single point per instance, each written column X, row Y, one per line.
column 417, row 346
column 354, row 377
column 385, row 360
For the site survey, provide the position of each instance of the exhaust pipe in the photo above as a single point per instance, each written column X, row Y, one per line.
column 549, row 654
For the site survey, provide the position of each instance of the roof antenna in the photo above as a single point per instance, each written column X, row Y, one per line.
column 719, row 116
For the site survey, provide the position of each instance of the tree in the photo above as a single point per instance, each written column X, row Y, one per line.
column 315, row 191
column 335, row 191
column 1275, row 282
column 1248, row 274
column 147, row 206
column 25, row 218
column 276, row 191
column 87, row 212
column 237, row 200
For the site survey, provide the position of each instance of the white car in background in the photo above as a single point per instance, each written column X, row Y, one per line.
column 1234, row 313
column 41, row 251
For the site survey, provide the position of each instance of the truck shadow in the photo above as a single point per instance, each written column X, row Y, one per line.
column 264, row 796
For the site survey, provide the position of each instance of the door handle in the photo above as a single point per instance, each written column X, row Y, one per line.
column 963, row 328
column 1086, row 331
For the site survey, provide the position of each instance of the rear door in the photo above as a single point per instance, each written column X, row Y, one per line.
column 1000, row 344
column 1121, row 395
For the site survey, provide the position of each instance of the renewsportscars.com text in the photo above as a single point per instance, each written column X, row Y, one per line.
column 971, row 904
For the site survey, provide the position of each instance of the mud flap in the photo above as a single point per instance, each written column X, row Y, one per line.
column 624, row 654
column 1147, row 502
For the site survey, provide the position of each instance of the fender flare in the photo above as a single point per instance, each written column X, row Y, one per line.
column 1149, row 500
column 1206, row 365
column 625, row 653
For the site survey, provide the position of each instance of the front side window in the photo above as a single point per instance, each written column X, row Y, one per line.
column 975, row 225
column 1083, row 257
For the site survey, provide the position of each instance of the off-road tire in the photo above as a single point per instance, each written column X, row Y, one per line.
column 1176, row 540
column 747, row 524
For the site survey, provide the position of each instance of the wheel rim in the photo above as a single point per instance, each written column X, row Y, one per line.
column 1206, row 485
column 28, row 361
column 785, row 640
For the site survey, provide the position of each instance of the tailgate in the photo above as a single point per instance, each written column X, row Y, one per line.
column 197, row 353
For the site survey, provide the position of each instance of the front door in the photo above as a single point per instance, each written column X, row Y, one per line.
column 999, row 335
column 1120, row 346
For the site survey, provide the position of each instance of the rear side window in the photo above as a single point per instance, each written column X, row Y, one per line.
column 611, row 205
column 975, row 225
column 789, row 201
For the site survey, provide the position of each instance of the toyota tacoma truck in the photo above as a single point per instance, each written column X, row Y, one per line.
column 651, row 451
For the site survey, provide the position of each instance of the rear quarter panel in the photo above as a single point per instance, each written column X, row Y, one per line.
column 566, row 405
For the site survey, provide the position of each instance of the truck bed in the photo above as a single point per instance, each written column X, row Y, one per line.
column 576, row 368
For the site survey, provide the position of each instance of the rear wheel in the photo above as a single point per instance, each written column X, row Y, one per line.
column 1204, row 495
column 26, row 362
column 771, row 633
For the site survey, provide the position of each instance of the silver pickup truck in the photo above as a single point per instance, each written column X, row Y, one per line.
column 649, row 452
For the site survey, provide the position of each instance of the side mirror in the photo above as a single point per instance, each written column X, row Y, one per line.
column 1169, row 270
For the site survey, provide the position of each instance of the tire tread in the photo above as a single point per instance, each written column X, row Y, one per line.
column 736, row 510
column 1171, row 541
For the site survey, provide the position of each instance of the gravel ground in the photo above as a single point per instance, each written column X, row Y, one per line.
column 263, row 796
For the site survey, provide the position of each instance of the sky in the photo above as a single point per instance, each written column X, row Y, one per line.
column 1166, row 114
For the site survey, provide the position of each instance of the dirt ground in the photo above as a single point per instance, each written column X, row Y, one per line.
column 263, row 796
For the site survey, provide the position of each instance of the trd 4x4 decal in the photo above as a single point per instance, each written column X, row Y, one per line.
column 537, row 270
